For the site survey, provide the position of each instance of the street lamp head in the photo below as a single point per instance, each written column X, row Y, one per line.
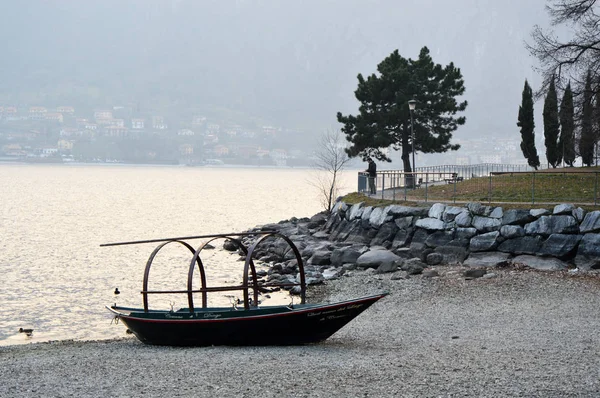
column 412, row 104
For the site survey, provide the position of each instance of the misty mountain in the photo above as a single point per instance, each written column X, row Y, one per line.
column 290, row 63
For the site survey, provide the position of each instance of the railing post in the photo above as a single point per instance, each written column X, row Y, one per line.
column 455, row 179
column 426, row 184
column 596, row 190
column 382, row 185
column 490, row 190
column 533, row 188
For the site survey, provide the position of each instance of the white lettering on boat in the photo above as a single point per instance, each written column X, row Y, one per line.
column 211, row 316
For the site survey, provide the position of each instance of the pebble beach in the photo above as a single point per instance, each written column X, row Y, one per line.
column 519, row 333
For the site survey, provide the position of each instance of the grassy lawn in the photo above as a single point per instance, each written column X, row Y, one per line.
column 545, row 188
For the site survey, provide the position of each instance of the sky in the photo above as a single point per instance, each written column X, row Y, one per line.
column 289, row 63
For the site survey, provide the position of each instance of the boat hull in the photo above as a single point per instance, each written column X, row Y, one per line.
column 302, row 324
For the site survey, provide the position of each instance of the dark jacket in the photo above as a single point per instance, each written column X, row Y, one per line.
column 372, row 170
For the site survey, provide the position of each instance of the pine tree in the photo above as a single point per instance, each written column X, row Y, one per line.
column 552, row 127
column 567, row 127
column 384, row 120
column 587, row 138
column 527, row 125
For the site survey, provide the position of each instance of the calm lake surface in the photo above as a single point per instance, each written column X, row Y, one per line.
column 57, row 280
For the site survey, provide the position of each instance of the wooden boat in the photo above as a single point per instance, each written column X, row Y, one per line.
column 251, row 324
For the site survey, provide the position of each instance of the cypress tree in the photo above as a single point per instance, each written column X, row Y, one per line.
column 567, row 127
column 552, row 127
column 587, row 138
column 527, row 125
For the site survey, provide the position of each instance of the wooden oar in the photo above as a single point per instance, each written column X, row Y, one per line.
column 135, row 242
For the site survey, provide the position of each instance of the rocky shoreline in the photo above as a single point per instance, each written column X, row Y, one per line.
column 448, row 329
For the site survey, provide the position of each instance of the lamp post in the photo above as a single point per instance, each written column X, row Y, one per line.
column 411, row 105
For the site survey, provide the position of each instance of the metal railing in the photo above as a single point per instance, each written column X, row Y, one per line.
column 579, row 187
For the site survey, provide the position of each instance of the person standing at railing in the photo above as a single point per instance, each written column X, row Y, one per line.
column 372, row 170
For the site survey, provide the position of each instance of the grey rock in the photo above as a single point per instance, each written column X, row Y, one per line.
column 332, row 273
column 374, row 258
column 321, row 257
column 539, row 212
column 378, row 217
column 434, row 258
column 463, row 219
column 413, row 266
column 484, row 242
column 588, row 252
column 389, row 266
column 489, row 275
column 366, row 215
column 439, row 238
column 230, row 245
column 474, row 273
column 548, row 225
column 430, row 273
column 487, row 259
column 516, row 217
column 591, row 222
column 540, row 263
column 349, row 266
column 452, row 254
column 404, row 222
column 564, row 208
column 355, row 212
column 512, row 231
column 401, row 238
column 465, row 233
column 478, row 209
column 399, row 275
column 339, row 207
column 320, row 235
column 579, row 214
column 497, row 212
column 522, row 245
column 386, row 233
column 344, row 255
column 560, row 245
column 450, row 213
column 431, row 224
column 486, row 224
column 404, row 211
column 437, row 210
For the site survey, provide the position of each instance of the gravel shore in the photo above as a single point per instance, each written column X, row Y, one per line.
column 521, row 333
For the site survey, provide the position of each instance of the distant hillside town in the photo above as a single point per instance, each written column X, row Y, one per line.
column 41, row 134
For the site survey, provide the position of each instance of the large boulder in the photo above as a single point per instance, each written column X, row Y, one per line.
column 540, row 263
column 450, row 213
column 386, row 233
column 320, row 257
column 486, row 224
column 564, row 208
column 439, row 238
column 345, row 255
column 355, row 212
column 404, row 222
column 516, row 217
column 512, row 231
column 487, row 259
column 588, row 252
column 484, row 242
column 432, row 224
column 437, row 210
column 374, row 258
column 591, row 222
column 548, row 225
column 406, row 211
column 379, row 216
column 560, row 245
column 463, row 219
column 451, row 254
column 522, row 245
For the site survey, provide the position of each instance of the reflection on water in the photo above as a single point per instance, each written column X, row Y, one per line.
column 57, row 280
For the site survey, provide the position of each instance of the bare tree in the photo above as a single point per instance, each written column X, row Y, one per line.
column 569, row 59
column 330, row 160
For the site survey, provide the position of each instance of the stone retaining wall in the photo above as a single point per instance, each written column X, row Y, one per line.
column 553, row 239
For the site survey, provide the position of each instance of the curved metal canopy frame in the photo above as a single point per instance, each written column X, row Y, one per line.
column 249, row 281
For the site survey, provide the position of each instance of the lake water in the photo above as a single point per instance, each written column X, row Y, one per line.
column 56, row 279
